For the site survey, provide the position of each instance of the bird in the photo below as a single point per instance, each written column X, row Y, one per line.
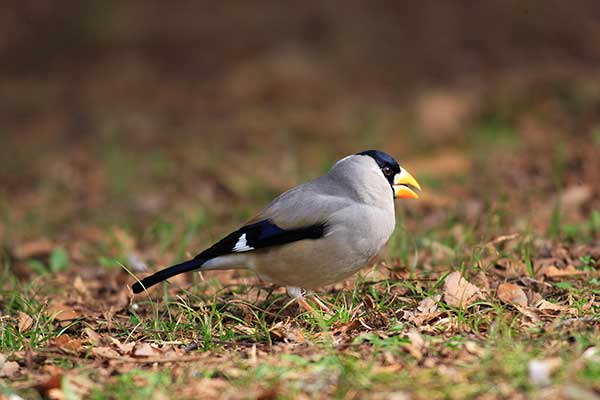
column 315, row 234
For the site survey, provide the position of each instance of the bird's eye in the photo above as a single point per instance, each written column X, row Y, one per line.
column 386, row 171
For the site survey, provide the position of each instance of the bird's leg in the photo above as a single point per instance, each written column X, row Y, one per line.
column 298, row 294
column 319, row 302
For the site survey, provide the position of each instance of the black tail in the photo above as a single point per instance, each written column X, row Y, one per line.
column 167, row 273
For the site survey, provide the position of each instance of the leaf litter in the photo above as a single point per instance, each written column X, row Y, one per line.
column 418, row 319
column 521, row 255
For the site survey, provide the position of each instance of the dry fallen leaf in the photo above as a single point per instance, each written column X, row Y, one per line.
column 424, row 318
column 429, row 304
column 40, row 247
column 144, row 350
column 574, row 196
column 554, row 272
column 92, row 335
column 545, row 305
column 416, row 345
column 341, row 328
column 51, row 387
column 458, row 292
column 278, row 329
column 63, row 314
column 66, row 343
column 25, row 322
column 512, row 294
column 482, row 281
column 474, row 349
column 8, row 369
column 105, row 352
column 510, row 268
column 81, row 288
column 533, row 316
column 427, row 310
column 125, row 348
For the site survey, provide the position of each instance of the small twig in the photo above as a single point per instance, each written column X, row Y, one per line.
column 503, row 238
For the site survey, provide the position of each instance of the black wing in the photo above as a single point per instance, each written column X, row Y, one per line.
column 260, row 235
column 251, row 237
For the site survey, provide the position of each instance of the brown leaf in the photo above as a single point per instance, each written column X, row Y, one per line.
column 512, row 294
column 144, row 350
column 481, row 280
column 63, row 314
column 36, row 248
column 9, row 369
column 416, row 345
column 427, row 310
column 574, row 196
column 25, row 322
column 530, row 313
column 105, row 352
column 458, row 292
column 429, row 304
column 553, row 272
column 68, row 344
column 93, row 336
column 61, row 340
column 81, row 287
column 126, row 348
column 75, row 347
column 545, row 305
column 51, row 387
column 541, row 265
column 342, row 328
column 474, row 349
column 424, row 318
column 510, row 268
column 278, row 330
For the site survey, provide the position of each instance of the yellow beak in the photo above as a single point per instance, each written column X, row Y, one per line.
column 402, row 186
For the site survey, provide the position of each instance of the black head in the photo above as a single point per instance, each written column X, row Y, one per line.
column 388, row 165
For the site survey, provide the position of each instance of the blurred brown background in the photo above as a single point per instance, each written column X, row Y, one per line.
column 387, row 42
column 153, row 106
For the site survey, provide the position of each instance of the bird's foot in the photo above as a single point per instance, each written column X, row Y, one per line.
column 320, row 303
column 299, row 293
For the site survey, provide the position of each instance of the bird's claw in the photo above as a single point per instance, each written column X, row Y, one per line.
column 299, row 294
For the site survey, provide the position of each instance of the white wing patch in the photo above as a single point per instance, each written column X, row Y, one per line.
column 242, row 245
